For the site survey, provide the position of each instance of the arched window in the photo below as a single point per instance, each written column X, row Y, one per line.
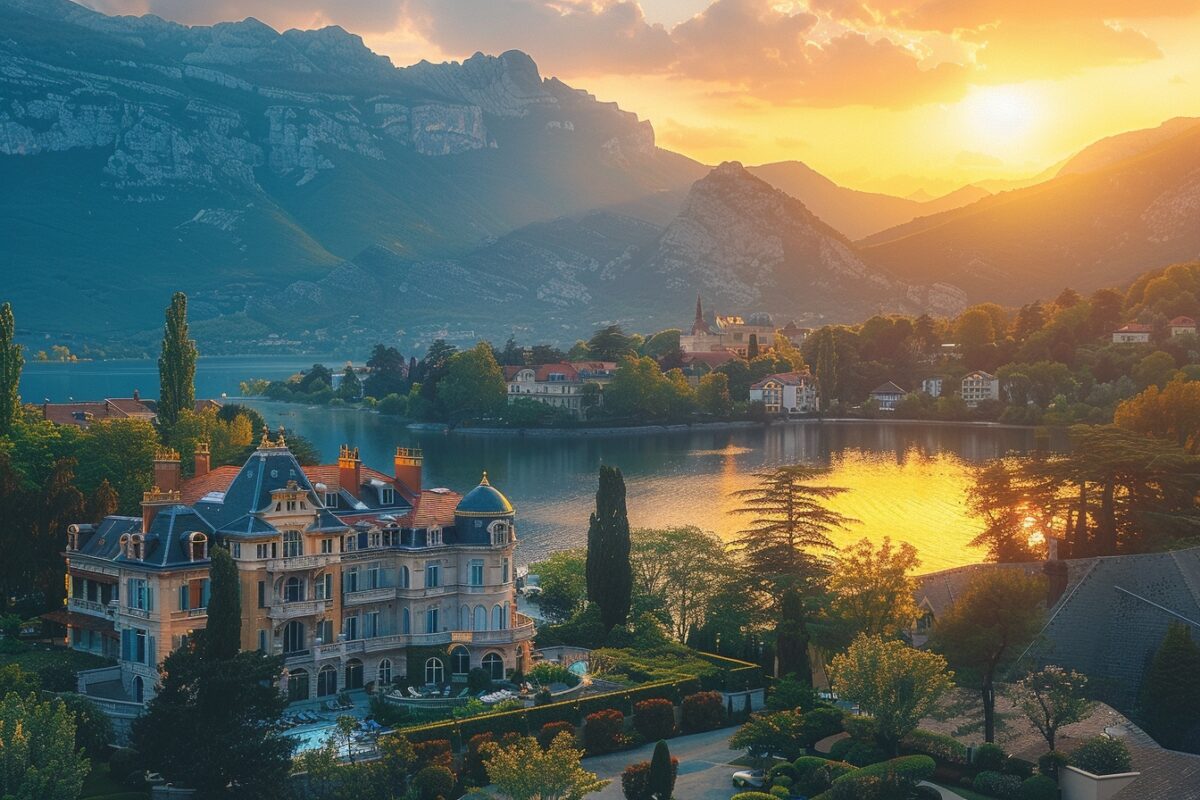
column 293, row 637
column 383, row 674
column 326, row 681
column 136, row 545
column 139, row 689
column 464, row 618
column 297, row 685
column 499, row 532
column 405, row 622
column 497, row 618
column 292, row 546
column 435, row 671
column 402, row 577
column 460, row 661
column 354, row 674
column 480, row 623
column 293, row 590
column 493, row 664
column 198, row 546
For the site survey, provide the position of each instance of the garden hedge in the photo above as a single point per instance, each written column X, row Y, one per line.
column 654, row 719
column 703, row 711
column 905, row 769
column 551, row 731
column 940, row 747
column 997, row 784
column 1039, row 787
column 602, row 731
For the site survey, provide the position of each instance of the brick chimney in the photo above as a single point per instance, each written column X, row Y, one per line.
column 154, row 500
column 408, row 468
column 350, row 470
column 166, row 469
column 203, row 458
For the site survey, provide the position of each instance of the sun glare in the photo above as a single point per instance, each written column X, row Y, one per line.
column 1000, row 115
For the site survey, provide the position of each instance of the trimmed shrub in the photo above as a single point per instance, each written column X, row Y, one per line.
column 478, row 680
column 551, row 730
column 1039, row 787
column 940, row 747
column 869, row 787
column 752, row 796
column 997, row 784
column 862, row 729
column 1102, row 755
column 654, row 719
column 989, row 758
column 815, row 775
column 434, row 753
column 821, row 722
column 121, row 763
column 635, row 780
column 905, row 770
column 474, row 771
column 1050, row 764
column 434, row 782
column 703, row 711
column 602, row 731
column 838, row 749
column 782, row 780
column 784, row 770
column 862, row 754
column 1019, row 767
column 781, row 792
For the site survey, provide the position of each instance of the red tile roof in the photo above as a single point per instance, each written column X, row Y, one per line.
column 1183, row 322
column 542, row 372
column 786, row 378
column 215, row 480
column 1135, row 327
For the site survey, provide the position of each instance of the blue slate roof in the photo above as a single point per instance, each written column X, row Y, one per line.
column 104, row 541
column 484, row 499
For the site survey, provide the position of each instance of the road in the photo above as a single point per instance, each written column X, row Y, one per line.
column 705, row 766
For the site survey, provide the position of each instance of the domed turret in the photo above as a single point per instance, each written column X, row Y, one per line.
column 484, row 501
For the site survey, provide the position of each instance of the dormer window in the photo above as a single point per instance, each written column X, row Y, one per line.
column 331, row 499
column 387, row 495
column 136, row 547
column 197, row 546
column 434, row 537
column 500, row 533
column 291, row 505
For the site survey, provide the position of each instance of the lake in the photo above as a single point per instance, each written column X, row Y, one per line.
column 905, row 480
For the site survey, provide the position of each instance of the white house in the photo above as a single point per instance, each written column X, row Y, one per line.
column 932, row 386
column 787, row 393
column 1132, row 333
column 1182, row 326
column 558, row 385
column 979, row 386
column 888, row 396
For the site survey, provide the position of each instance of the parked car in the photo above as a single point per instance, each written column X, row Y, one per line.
column 749, row 779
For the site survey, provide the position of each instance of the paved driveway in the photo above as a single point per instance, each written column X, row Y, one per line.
column 705, row 766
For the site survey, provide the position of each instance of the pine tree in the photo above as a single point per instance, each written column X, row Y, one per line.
column 1171, row 692
column 661, row 780
column 608, row 570
column 11, row 362
column 222, row 636
column 752, row 347
column 825, row 364
column 791, row 638
column 176, row 365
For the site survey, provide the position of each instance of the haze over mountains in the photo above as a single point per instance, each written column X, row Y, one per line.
column 301, row 185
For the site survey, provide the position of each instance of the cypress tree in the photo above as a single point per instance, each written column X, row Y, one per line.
column 11, row 362
column 791, row 638
column 176, row 365
column 609, row 574
column 661, row 780
column 752, row 347
column 1171, row 692
column 222, row 636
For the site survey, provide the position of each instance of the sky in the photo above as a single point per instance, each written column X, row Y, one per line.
column 897, row 96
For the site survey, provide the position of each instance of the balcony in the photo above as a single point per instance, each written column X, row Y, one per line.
column 301, row 562
column 139, row 613
column 299, row 608
column 369, row 596
column 338, row 649
column 418, row 593
column 87, row 606
column 521, row 631
column 377, row 643
column 190, row 613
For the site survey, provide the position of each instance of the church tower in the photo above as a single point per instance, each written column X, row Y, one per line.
column 699, row 326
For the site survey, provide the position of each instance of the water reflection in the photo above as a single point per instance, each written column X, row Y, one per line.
column 906, row 481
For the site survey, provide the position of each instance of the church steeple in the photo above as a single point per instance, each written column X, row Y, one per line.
column 699, row 326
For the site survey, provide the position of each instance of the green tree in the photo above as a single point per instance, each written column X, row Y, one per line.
column 229, row 703
column 766, row 737
column 38, row 757
column 661, row 780
column 120, row 450
column 712, row 395
column 997, row 498
column 1155, row 369
column 609, row 574
column 792, row 638
column 873, row 588
column 177, row 364
column 1172, row 413
column 16, row 680
column 752, row 347
column 1051, row 698
column 388, row 373
column 611, row 344
column 894, row 683
column 523, row 771
column 350, row 388
column 473, row 386
column 562, row 584
column 987, row 628
column 825, row 365
column 1170, row 702
column 789, row 528
column 93, row 728
column 683, row 569
column 11, row 362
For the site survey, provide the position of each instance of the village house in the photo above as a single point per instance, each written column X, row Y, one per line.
column 787, row 393
column 561, row 385
column 888, row 396
column 1182, row 326
column 83, row 414
column 979, row 386
column 352, row 574
column 1132, row 333
column 932, row 386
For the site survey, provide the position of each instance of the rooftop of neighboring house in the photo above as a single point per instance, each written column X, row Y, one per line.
column 979, row 375
column 542, row 373
column 888, row 388
column 785, row 379
column 1183, row 322
column 83, row 413
column 1134, row 327
column 712, row 360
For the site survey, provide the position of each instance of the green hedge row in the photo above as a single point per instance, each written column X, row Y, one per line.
column 737, row 675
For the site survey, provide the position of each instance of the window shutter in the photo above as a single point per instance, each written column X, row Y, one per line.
column 130, row 595
column 205, row 591
column 125, row 645
column 149, row 597
column 183, row 597
column 150, row 651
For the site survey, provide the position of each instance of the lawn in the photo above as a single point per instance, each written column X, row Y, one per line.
column 56, row 666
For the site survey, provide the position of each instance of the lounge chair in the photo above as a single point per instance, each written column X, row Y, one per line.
column 412, row 690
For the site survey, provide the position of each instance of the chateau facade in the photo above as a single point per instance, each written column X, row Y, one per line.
column 353, row 575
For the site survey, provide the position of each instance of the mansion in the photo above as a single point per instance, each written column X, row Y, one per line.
column 351, row 574
column 728, row 334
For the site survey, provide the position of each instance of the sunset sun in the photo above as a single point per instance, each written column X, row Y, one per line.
column 1000, row 115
